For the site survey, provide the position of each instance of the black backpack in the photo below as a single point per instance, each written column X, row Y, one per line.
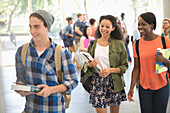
column 85, row 79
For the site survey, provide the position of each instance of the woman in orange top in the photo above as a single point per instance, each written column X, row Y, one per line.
column 153, row 88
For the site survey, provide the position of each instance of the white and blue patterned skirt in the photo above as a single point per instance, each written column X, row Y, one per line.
column 102, row 93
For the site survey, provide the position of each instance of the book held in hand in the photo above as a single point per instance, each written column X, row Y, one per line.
column 24, row 87
column 83, row 57
column 160, row 67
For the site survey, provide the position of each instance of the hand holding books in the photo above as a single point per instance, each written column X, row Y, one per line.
column 161, row 55
column 83, row 57
column 24, row 89
column 92, row 62
column 159, row 58
column 24, row 93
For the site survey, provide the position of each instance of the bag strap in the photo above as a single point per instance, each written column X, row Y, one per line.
column 137, row 52
column 24, row 53
column 137, row 48
column 163, row 42
column 91, row 42
column 57, row 59
column 59, row 73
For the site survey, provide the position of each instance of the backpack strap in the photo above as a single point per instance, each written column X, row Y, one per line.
column 137, row 52
column 163, row 42
column 24, row 53
column 137, row 48
column 57, row 59
column 91, row 42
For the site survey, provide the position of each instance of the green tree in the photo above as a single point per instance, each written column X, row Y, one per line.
column 18, row 7
column 138, row 5
column 85, row 7
column 8, row 7
column 134, row 6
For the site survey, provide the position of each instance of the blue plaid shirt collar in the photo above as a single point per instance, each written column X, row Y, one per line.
column 52, row 44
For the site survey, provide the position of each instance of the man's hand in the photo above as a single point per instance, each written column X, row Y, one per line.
column 24, row 93
column 46, row 91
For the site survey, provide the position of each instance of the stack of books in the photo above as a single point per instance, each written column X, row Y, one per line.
column 25, row 87
column 160, row 67
column 83, row 57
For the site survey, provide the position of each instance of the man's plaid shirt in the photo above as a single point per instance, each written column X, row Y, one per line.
column 41, row 70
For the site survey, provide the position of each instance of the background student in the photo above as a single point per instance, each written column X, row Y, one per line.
column 85, row 39
column 166, row 27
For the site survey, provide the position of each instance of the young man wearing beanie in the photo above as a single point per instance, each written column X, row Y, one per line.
column 40, row 68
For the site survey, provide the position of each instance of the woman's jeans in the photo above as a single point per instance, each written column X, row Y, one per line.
column 154, row 101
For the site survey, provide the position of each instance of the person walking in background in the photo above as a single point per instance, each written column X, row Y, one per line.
column 63, row 36
column 166, row 32
column 84, row 22
column 118, row 21
column 123, row 26
column 69, row 34
column 125, row 35
column 85, row 39
column 153, row 88
column 92, row 22
column 78, row 32
column 40, row 68
column 109, row 52
column 166, row 27
column 136, row 35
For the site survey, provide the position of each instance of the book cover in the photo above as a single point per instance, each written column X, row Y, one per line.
column 160, row 66
column 23, row 87
column 83, row 57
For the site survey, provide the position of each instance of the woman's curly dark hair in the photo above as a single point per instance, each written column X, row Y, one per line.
column 116, row 34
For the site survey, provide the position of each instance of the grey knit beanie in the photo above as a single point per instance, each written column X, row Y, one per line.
column 49, row 18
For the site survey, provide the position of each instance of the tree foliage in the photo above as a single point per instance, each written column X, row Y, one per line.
column 139, row 5
column 11, row 8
